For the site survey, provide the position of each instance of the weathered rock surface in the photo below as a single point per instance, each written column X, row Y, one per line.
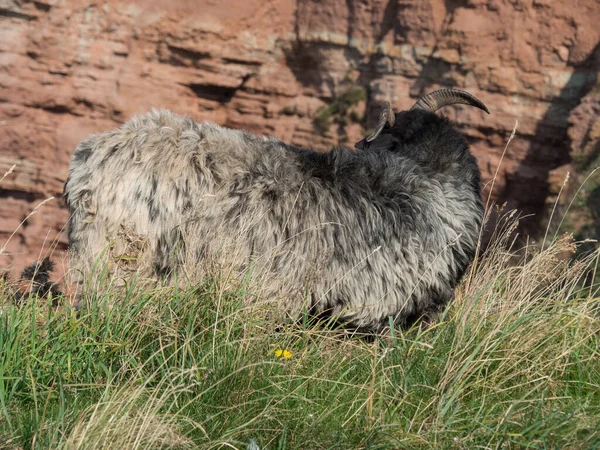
column 71, row 68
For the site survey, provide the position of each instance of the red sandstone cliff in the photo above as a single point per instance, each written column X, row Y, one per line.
column 71, row 68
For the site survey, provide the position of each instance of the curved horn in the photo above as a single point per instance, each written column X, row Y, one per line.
column 386, row 117
column 449, row 96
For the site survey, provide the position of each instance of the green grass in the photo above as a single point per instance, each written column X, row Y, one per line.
column 342, row 107
column 514, row 363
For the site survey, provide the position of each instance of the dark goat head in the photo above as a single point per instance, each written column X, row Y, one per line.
column 430, row 102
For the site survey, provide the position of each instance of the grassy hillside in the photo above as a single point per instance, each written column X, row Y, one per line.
column 514, row 363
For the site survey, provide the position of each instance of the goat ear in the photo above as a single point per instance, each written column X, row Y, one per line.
column 360, row 145
column 384, row 142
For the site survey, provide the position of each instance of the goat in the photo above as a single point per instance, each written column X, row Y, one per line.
column 384, row 232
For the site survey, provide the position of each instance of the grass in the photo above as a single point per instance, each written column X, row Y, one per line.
column 513, row 363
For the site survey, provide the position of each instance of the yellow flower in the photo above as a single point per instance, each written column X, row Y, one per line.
column 283, row 353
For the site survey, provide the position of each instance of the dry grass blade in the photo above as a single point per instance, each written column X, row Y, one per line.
column 35, row 210
column 132, row 418
column 8, row 172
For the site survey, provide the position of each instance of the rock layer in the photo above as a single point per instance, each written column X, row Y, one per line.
column 72, row 68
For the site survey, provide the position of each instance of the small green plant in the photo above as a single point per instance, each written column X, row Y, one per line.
column 341, row 107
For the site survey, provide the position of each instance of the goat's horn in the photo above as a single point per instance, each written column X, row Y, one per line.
column 449, row 96
column 386, row 117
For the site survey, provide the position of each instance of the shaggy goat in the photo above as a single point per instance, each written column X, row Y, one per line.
column 364, row 235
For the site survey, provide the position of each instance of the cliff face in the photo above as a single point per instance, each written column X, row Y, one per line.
column 293, row 69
